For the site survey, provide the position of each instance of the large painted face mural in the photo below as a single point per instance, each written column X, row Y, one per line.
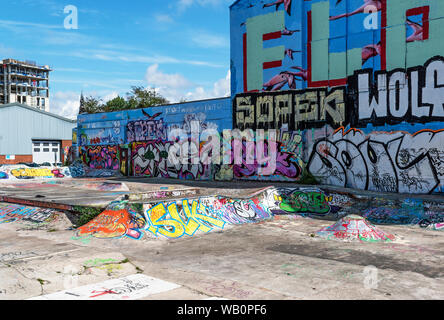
column 360, row 81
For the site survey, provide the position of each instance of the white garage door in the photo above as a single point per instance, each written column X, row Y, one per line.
column 46, row 151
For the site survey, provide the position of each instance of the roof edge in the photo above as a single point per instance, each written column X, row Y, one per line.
column 235, row 2
column 161, row 106
column 16, row 104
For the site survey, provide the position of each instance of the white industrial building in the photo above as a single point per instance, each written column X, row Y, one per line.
column 29, row 134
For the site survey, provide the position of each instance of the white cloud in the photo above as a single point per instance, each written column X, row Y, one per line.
column 118, row 56
column 164, row 18
column 185, row 4
column 11, row 23
column 157, row 78
column 67, row 103
column 4, row 51
column 176, row 87
column 221, row 88
column 207, row 40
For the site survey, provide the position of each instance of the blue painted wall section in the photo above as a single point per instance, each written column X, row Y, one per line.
column 137, row 141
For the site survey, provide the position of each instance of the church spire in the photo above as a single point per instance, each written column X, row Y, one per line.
column 82, row 104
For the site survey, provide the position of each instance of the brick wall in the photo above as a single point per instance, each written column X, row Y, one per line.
column 65, row 143
column 18, row 159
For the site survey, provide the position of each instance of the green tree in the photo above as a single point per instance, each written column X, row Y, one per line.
column 116, row 104
column 92, row 105
column 141, row 97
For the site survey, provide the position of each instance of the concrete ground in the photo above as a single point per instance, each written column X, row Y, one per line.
column 275, row 259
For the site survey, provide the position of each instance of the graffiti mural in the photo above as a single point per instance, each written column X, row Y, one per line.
column 355, row 227
column 353, row 90
column 304, row 201
column 360, row 81
column 288, row 166
column 101, row 157
column 13, row 213
column 176, row 219
column 143, row 130
column 151, row 159
column 410, row 211
column 388, row 162
column 200, row 215
column 114, row 224
column 291, row 110
column 23, row 172
column 101, row 130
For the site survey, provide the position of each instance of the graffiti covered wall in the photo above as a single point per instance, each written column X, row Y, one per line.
column 147, row 138
column 101, row 157
column 353, row 90
column 358, row 82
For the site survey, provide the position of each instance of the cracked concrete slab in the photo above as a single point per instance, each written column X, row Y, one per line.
column 279, row 259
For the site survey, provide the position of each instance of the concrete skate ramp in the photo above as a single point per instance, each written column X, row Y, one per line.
column 56, row 196
column 32, row 171
column 174, row 219
column 180, row 210
column 31, row 218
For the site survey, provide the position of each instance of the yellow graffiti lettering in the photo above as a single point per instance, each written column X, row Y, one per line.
column 166, row 227
column 173, row 223
column 32, row 172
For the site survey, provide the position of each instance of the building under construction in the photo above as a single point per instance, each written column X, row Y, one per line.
column 24, row 82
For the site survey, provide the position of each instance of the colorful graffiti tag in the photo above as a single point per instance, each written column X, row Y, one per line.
column 13, row 213
column 196, row 216
column 355, row 227
column 176, row 219
column 410, row 211
column 144, row 130
column 113, row 224
column 151, row 159
column 371, row 70
column 101, row 157
column 13, row 172
column 388, row 162
column 306, row 201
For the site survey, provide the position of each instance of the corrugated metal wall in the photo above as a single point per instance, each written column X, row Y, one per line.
column 18, row 126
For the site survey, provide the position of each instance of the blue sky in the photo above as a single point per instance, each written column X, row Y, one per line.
column 180, row 47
